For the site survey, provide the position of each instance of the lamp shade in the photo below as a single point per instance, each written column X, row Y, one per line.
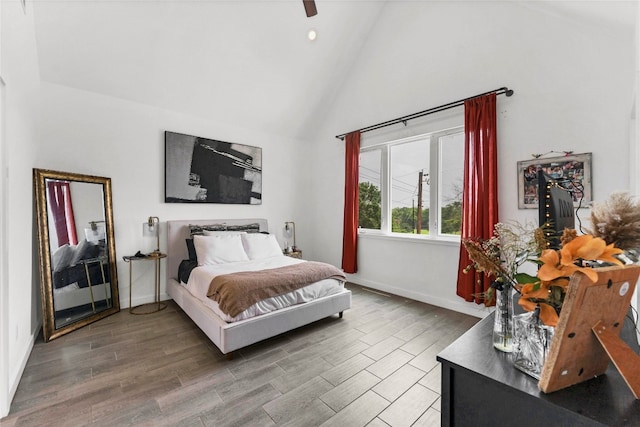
column 95, row 234
column 96, row 231
column 151, row 228
column 289, row 233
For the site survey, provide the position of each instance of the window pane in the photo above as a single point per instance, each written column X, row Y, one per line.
column 451, row 170
column 370, row 200
column 409, row 200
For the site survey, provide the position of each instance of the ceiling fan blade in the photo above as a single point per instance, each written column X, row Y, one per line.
column 310, row 8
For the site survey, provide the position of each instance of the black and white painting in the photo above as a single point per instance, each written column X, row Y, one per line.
column 201, row 170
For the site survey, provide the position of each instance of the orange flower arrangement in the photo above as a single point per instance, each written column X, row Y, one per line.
column 513, row 244
column 556, row 267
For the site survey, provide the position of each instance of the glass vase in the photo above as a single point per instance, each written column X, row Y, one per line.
column 532, row 340
column 503, row 320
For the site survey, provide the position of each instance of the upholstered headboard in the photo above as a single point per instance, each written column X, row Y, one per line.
column 178, row 231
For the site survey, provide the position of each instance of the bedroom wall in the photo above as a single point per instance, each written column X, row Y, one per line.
column 19, row 291
column 4, row 353
column 572, row 85
column 84, row 132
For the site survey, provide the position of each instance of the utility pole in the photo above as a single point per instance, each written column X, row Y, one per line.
column 419, row 221
column 413, row 213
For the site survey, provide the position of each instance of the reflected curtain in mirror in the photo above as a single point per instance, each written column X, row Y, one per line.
column 59, row 197
column 76, row 250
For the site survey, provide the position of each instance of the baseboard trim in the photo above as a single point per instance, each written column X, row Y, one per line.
column 462, row 307
column 14, row 381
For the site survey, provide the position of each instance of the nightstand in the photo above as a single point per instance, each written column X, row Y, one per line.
column 150, row 307
column 294, row 254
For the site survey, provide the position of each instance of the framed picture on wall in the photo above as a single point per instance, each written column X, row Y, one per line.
column 572, row 172
column 201, row 170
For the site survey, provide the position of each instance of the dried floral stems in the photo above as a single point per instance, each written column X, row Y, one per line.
column 617, row 220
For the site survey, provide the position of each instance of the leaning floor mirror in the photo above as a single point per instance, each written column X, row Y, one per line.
column 76, row 250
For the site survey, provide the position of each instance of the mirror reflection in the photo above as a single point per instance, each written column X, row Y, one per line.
column 77, row 255
column 79, row 259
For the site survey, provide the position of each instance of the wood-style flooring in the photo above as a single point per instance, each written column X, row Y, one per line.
column 374, row 367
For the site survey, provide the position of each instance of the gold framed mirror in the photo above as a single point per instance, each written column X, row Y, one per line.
column 76, row 250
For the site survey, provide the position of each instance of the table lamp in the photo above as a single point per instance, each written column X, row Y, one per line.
column 151, row 228
column 289, row 232
column 95, row 232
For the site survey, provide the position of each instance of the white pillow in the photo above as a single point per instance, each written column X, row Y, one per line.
column 219, row 249
column 79, row 251
column 62, row 257
column 260, row 246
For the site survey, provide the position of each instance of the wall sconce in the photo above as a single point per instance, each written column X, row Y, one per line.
column 151, row 228
column 289, row 232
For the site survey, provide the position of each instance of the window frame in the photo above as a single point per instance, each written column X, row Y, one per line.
column 435, row 190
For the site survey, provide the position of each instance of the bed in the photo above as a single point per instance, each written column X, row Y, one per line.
column 229, row 336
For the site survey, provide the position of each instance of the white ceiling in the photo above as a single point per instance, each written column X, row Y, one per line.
column 197, row 56
column 239, row 62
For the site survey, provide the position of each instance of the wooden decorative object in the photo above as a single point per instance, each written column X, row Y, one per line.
column 626, row 361
column 576, row 354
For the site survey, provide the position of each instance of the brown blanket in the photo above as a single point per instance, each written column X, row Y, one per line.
column 235, row 292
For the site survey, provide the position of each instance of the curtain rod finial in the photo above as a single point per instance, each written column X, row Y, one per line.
column 508, row 92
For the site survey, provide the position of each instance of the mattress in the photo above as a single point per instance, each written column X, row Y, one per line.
column 201, row 277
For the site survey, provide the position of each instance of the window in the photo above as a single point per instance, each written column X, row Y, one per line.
column 369, row 183
column 409, row 174
column 413, row 186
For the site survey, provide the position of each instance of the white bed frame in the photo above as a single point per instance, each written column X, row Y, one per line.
column 233, row 336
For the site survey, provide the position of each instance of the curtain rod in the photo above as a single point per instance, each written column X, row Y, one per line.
column 404, row 119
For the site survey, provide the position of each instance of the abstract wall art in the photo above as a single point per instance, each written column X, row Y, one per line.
column 201, row 170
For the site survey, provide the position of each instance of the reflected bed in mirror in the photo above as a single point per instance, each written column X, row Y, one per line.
column 76, row 250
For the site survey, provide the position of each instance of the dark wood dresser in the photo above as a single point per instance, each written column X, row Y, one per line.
column 480, row 387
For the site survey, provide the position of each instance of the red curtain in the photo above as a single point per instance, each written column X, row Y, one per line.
column 351, row 203
column 62, row 210
column 480, row 188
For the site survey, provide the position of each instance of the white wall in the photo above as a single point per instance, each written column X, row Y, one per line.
column 4, row 353
column 84, row 132
column 19, row 300
column 572, row 84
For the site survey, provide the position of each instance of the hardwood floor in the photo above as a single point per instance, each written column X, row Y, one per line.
column 374, row 367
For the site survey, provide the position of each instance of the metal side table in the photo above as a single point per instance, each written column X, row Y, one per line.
column 150, row 307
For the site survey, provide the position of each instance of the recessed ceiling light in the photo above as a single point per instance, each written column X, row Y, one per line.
column 312, row 34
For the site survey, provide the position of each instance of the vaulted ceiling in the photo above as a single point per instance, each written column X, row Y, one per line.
column 240, row 62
